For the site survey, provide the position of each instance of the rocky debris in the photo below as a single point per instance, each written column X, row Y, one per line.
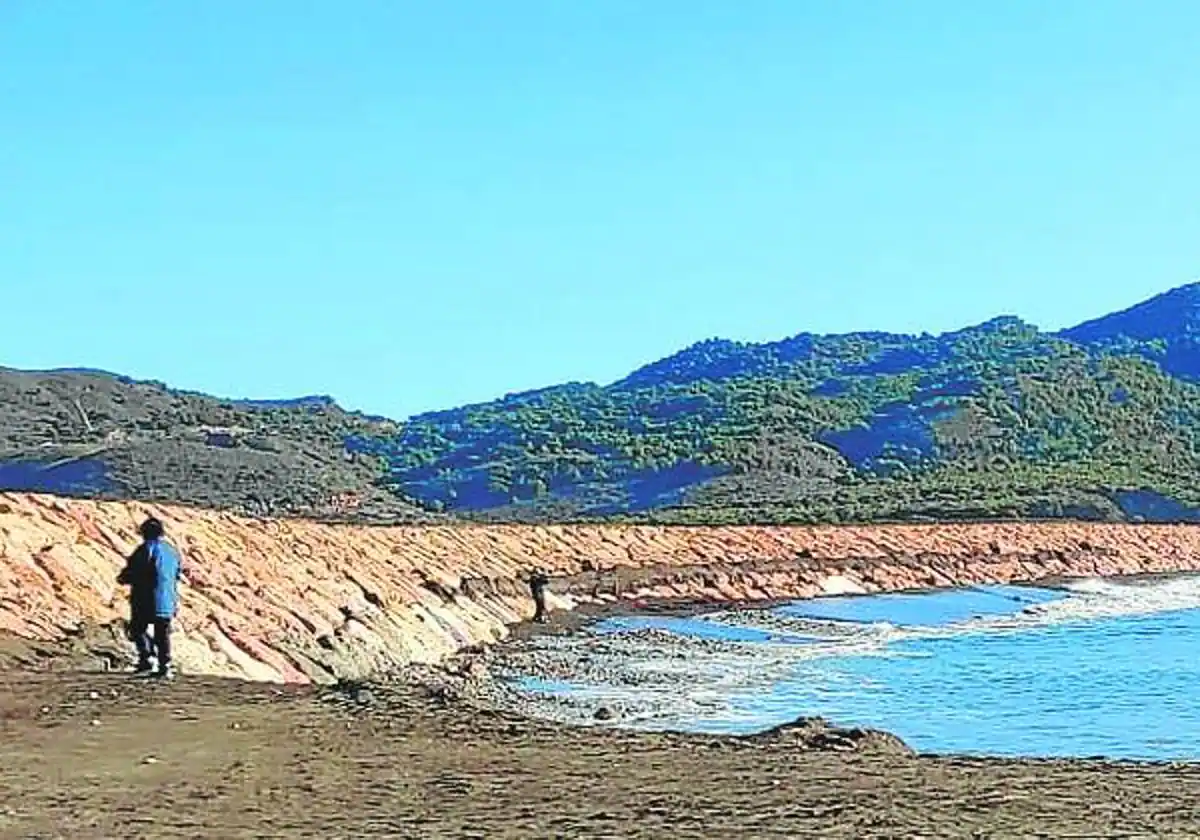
column 351, row 693
column 815, row 733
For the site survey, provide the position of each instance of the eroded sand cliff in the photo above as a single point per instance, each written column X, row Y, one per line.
column 300, row 601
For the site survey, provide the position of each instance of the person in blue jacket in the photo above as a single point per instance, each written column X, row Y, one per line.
column 152, row 575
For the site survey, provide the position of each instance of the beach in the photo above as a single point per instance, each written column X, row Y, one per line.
column 266, row 735
column 100, row 755
column 104, row 756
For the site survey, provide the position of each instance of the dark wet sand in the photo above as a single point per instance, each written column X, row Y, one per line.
column 105, row 756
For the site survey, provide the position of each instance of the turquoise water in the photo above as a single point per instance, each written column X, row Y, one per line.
column 1097, row 669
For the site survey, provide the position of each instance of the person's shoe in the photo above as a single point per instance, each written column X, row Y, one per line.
column 167, row 673
column 143, row 669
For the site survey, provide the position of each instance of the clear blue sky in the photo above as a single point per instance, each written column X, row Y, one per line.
column 412, row 205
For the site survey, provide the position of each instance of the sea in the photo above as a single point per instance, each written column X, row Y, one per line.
column 1092, row 668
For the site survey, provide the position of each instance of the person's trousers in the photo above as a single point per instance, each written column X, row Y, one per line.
column 158, row 646
column 539, row 605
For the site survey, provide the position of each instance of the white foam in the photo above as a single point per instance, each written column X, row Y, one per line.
column 841, row 585
column 1084, row 600
column 662, row 679
column 1096, row 599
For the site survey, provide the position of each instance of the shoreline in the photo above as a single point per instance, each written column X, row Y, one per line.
column 467, row 674
column 515, row 661
column 414, row 753
column 218, row 757
column 586, row 613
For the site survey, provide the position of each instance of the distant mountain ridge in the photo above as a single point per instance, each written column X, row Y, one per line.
column 999, row 420
column 1164, row 329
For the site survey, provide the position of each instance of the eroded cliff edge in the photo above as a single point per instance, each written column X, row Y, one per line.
column 301, row 601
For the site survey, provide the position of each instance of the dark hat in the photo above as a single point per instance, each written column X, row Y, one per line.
column 151, row 529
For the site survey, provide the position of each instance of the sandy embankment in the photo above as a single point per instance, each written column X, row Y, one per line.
column 296, row 601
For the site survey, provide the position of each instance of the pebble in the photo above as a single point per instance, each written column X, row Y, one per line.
column 149, row 760
column 93, row 695
column 95, row 723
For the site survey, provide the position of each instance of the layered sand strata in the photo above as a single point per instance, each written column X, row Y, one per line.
column 298, row 601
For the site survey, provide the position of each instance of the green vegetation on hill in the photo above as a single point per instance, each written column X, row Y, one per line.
column 996, row 421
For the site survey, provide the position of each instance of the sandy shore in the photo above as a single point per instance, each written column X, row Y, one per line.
column 95, row 755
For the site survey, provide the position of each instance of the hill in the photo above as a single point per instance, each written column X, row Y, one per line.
column 91, row 433
column 996, row 421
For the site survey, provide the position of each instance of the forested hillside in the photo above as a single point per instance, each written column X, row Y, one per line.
column 995, row 421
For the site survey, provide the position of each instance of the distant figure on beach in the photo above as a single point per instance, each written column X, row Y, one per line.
column 152, row 575
column 537, row 587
